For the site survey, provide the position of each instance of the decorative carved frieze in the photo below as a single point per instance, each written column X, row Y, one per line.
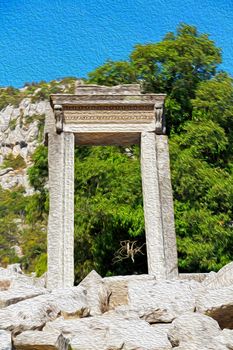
column 102, row 107
column 109, row 116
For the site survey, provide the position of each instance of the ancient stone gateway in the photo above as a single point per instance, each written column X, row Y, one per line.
column 100, row 115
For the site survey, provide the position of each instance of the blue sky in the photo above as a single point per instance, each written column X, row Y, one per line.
column 48, row 39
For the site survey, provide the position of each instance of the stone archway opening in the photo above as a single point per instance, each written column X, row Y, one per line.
column 108, row 208
column 100, row 115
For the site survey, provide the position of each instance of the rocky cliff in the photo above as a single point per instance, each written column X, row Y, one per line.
column 21, row 131
column 22, row 117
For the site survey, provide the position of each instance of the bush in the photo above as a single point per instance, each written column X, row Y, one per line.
column 16, row 163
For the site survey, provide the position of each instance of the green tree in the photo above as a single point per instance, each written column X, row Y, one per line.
column 203, row 193
column 175, row 66
column 113, row 73
column 199, row 110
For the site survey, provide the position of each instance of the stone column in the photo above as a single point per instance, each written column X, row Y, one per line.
column 166, row 197
column 68, row 210
column 61, row 211
column 152, row 206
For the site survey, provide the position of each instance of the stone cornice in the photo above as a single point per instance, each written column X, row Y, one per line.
column 70, row 100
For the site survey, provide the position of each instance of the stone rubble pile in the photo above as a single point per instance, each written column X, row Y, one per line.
column 120, row 313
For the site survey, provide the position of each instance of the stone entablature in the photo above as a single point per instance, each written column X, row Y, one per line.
column 100, row 115
column 94, row 104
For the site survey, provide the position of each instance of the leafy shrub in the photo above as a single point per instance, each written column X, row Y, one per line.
column 12, row 124
column 16, row 163
column 9, row 96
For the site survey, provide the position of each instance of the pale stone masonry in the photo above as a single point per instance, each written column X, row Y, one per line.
column 166, row 200
column 152, row 206
column 100, row 115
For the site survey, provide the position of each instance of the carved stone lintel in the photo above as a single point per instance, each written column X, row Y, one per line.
column 108, row 116
column 58, row 112
column 159, row 120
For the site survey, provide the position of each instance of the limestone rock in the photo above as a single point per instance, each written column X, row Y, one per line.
column 105, row 332
column 5, row 171
column 217, row 303
column 36, row 340
column 213, row 345
column 192, row 327
column 68, row 327
column 19, row 130
column 28, row 314
column 41, row 281
column 162, row 301
column 226, row 338
column 223, row 278
column 34, row 313
column 13, row 277
column 13, row 296
column 11, row 273
column 16, row 178
column 5, row 340
column 72, row 302
column 199, row 277
column 222, row 341
column 118, row 287
column 5, row 284
column 194, row 331
column 13, row 269
column 125, row 311
column 163, row 327
column 97, row 293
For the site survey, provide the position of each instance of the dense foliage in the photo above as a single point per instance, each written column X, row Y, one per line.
column 199, row 112
column 22, row 230
column 108, row 199
column 108, row 209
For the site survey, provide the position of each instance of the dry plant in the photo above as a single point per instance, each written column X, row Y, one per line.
column 128, row 249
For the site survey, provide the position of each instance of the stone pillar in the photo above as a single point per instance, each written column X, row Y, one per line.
column 61, row 211
column 152, row 206
column 68, row 221
column 166, row 198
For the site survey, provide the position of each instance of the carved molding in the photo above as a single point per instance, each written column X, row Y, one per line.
column 110, row 108
column 109, row 116
column 159, row 120
column 58, row 113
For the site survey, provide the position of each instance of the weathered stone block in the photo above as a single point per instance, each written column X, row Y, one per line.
column 13, row 296
column 28, row 314
column 35, row 340
column 5, row 340
column 217, row 303
column 97, row 293
column 118, row 287
column 223, row 278
column 192, row 327
column 162, row 301
column 105, row 332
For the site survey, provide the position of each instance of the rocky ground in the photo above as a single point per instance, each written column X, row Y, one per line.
column 120, row 313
